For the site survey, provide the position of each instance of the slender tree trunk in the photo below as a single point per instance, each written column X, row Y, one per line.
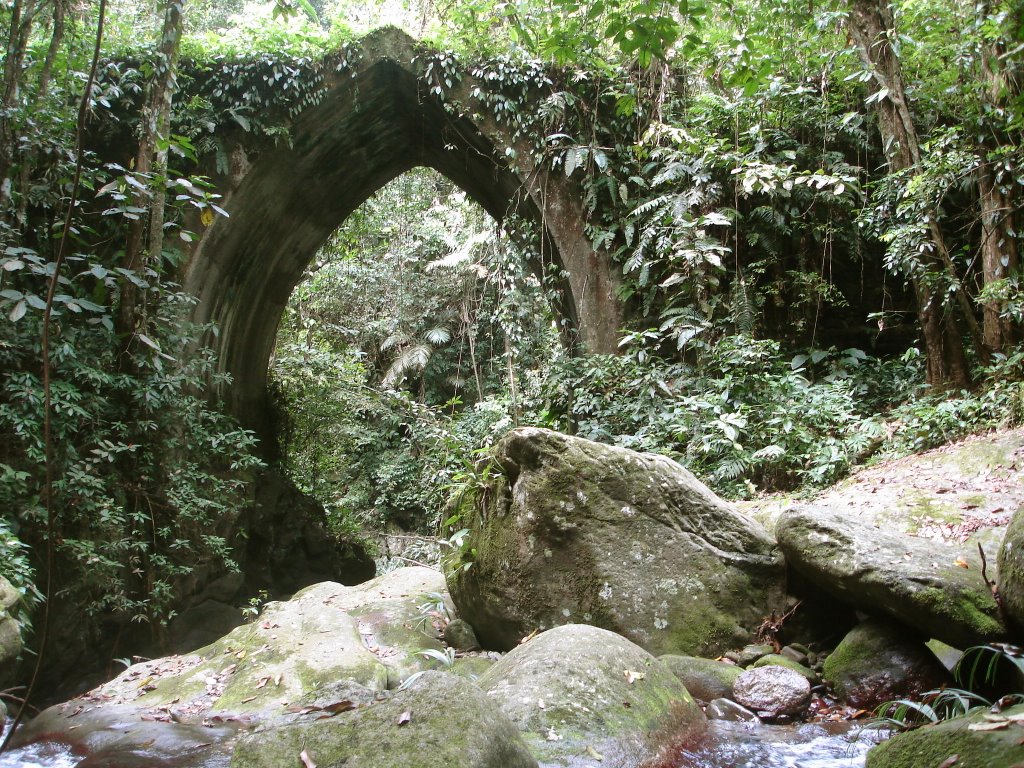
column 997, row 191
column 151, row 160
column 23, row 14
column 56, row 39
column 872, row 29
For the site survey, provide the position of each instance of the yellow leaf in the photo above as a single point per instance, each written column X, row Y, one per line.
column 206, row 217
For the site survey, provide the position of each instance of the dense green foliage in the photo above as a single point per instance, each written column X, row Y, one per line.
column 817, row 241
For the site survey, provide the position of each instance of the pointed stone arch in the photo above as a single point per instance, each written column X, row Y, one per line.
column 373, row 123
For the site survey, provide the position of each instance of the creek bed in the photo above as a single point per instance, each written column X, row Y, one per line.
column 812, row 745
column 725, row 745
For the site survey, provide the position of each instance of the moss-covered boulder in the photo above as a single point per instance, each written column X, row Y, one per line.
column 441, row 720
column 574, row 531
column 1011, row 572
column 705, row 679
column 878, row 662
column 979, row 740
column 10, row 633
column 329, row 643
column 577, row 688
column 934, row 587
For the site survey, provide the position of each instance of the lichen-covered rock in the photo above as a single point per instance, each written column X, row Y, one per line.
column 877, row 662
column 772, row 691
column 441, row 720
column 574, row 531
column 329, row 643
column 705, row 679
column 578, row 686
column 977, row 741
column 10, row 633
column 919, row 582
column 1011, row 572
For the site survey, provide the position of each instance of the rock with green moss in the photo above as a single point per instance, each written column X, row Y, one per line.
column 573, row 531
column 778, row 660
column 705, row 679
column 472, row 667
column 577, row 687
column 919, row 582
column 979, row 740
column 1011, row 572
column 329, row 643
column 878, row 661
column 440, row 720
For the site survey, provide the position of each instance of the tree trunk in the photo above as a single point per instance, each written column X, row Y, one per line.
column 996, row 191
column 151, row 160
column 872, row 29
column 22, row 15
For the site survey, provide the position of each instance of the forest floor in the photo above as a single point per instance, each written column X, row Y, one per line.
column 965, row 490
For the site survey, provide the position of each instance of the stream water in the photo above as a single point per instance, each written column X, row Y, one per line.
column 725, row 745
column 743, row 745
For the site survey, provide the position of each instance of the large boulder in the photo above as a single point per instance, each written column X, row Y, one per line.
column 878, row 662
column 979, row 740
column 575, row 531
column 328, row 644
column 441, row 720
column 1011, row 572
column 10, row 633
column 934, row 587
column 577, row 690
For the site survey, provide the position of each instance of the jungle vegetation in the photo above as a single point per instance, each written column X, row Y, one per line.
column 815, row 208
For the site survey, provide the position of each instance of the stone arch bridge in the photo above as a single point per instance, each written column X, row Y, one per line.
column 375, row 121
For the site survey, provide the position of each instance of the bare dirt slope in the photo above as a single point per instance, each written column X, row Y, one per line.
column 963, row 490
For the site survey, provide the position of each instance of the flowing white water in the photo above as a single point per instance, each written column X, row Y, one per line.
column 742, row 745
column 37, row 755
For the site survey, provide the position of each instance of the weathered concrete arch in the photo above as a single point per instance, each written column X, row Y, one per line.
column 373, row 124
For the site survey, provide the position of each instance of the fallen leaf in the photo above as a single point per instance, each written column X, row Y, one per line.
column 632, row 677
column 277, row 680
column 949, row 762
column 262, row 682
column 541, row 704
column 960, row 562
column 591, row 752
column 340, row 706
column 405, row 717
column 307, row 761
column 988, row 726
column 240, row 655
